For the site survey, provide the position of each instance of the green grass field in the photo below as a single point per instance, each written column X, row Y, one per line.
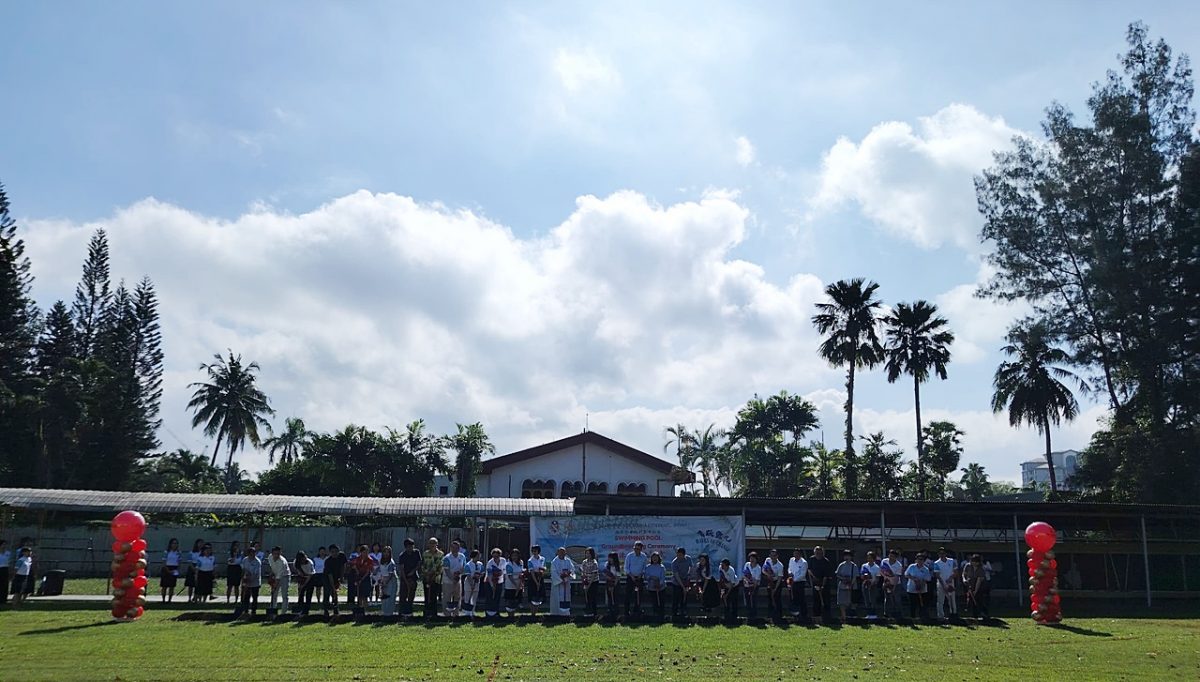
column 71, row 641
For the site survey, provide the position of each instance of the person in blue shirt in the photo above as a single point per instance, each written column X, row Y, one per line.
column 656, row 583
column 918, row 578
column 635, row 576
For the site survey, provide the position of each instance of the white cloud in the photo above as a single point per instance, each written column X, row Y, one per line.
column 745, row 151
column 583, row 70
column 980, row 325
column 376, row 309
column 916, row 182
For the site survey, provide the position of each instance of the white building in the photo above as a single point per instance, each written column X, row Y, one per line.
column 584, row 463
column 1035, row 471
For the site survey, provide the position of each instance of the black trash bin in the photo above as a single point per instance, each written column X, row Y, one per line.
column 52, row 583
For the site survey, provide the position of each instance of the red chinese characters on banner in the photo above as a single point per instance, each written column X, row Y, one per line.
column 1044, row 602
column 128, row 566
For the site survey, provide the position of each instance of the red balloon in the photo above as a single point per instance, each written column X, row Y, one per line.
column 140, row 581
column 139, row 545
column 119, row 547
column 140, row 611
column 1040, row 536
column 128, row 526
column 1031, row 564
column 118, row 612
column 1054, row 563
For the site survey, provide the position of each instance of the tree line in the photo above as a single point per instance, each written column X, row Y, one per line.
column 1096, row 226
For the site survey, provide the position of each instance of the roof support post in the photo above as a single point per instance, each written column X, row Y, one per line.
column 1017, row 562
column 1146, row 559
column 883, row 529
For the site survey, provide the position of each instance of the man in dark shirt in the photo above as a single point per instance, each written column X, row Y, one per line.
column 821, row 569
column 335, row 569
column 409, row 563
column 681, row 576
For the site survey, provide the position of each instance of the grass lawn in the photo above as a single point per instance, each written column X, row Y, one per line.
column 65, row 641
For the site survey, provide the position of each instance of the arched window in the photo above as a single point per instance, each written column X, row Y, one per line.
column 572, row 488
column 631, row 489
column 537, row 489
column 598, row 487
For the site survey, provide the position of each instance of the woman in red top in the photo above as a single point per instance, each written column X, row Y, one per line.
column 364, row 566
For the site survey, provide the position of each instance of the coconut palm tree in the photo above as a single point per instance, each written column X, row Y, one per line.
column 230, row 405
column 681, row 438
column 1030, row 385
column 290, row 443
column 918, row 344
column 706, row 447
column 849, row 324
column 975, row 482
column 471, row 443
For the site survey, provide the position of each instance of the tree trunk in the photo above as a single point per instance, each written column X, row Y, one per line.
column 920, row 440
column 851, row 471
column 216, row 449
column 1050, row 460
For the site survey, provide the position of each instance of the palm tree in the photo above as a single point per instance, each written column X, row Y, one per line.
column 471, row 442
column 1030, row 388
column 290, row 443
column 918, row 343
column 849, row 323
column 681, row 438
column 975, row 482
column 706, row 448
column 943, row 450
column 234, row 478
column 880, row 467
column 822, row 469
column 230, row 405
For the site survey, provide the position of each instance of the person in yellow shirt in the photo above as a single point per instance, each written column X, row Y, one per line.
column 431, row 576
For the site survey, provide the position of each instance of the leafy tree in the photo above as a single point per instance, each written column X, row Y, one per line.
column 681, row 439
column 918, row 344
column 975, row 482
column 470, row 443
column 61, row 401
column 766, row 457
column 409, row 459
column 706, row 448
column 230, row 405
column 880, row 467
column 849, row 322
column 1097, row 227
column 823, row 468
column 288, row 444
column 943, row 450
column 181, row 471
column 1029, row 387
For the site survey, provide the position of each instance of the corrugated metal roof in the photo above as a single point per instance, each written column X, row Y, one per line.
column 114, row 501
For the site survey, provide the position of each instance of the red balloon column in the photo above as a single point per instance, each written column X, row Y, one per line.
column 1044, row 602
column 128, row 566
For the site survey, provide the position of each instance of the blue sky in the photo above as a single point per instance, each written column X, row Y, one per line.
column 771, row 148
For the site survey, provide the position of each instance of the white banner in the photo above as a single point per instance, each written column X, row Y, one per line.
column 720, row 537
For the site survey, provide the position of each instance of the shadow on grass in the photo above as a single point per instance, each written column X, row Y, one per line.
column 1078, row 630
column 69, row 628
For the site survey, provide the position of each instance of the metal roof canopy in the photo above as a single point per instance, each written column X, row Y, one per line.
column 899, row 513
column 176, row 503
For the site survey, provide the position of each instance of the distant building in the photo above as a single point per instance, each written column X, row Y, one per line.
column 1066, row 464
column 584, row 463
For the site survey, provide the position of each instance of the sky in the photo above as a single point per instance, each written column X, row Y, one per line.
column 532, row 215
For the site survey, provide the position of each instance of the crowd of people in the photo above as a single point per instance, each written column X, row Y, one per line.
column 458, row 582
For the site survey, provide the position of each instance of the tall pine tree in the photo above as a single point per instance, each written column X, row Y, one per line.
column 61, row 403
column 92, row 296
column 18, row 334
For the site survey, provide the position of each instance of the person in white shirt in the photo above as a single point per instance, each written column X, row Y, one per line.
column 514, row 577
column 589, row 570
column 189, row 580
column 871, row 572
column 635, row 576
column 612, row 575
column 383, row 577
column 535, row 578
column 170, row 570
column 472, row 576
column 454, row 566
column 946, row 570
column 891, row 569
column 727, row 582
column 493, row 582
column 376, row 555
column 233, row 572
column 798, row 580
column 279, row 576
column 316, row 586
column 5, row 561
column 773, row 580
column 752, row 575
column 562, row 571
column 22, row 585
column 206, row 573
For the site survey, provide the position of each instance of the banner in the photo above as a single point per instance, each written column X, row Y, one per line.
column 720, row 537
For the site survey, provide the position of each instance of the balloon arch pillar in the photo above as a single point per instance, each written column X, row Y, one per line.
column 128, row 566
column 1044, row 601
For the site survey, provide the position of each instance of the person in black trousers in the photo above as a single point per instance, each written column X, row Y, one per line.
column 335, row 570
column 409, row 565
column 821, row 570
